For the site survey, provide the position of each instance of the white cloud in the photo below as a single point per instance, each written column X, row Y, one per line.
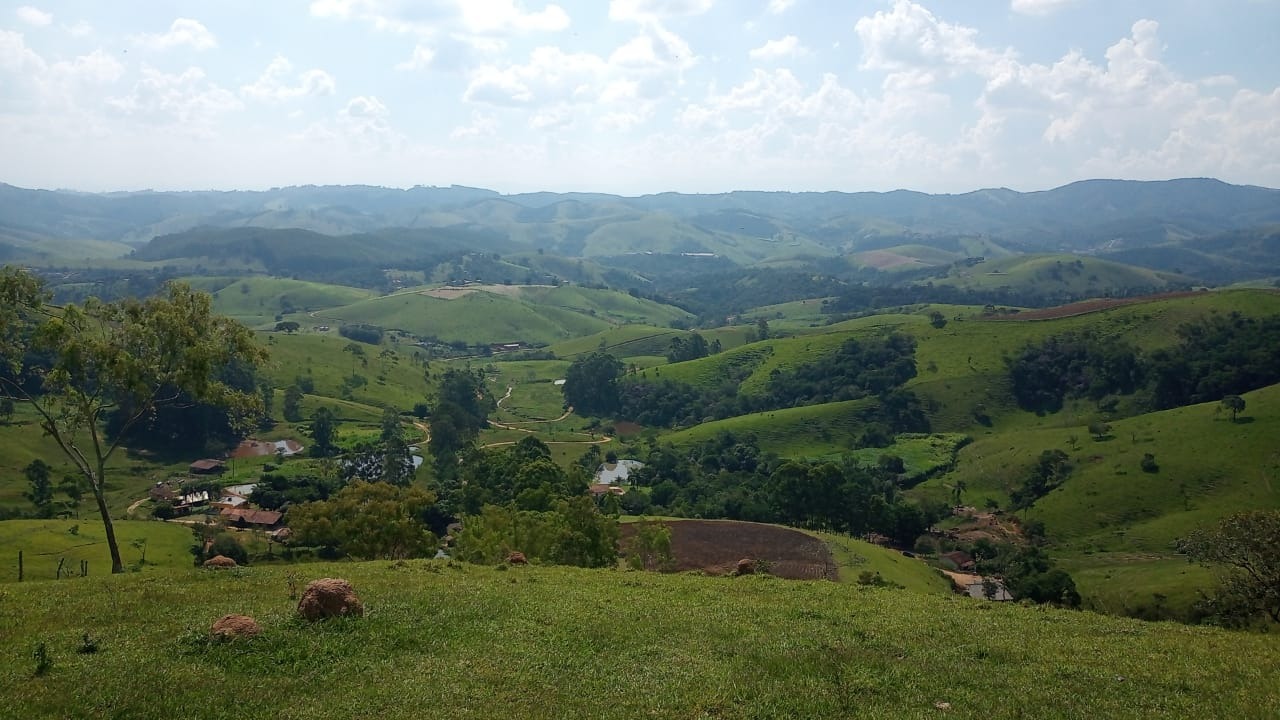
column 80, row 29
column 420, row 59
column 427, row 18
column 183, row 31
column 481, row 125
column 187, row 99
column 788, row 46
column 911, row 36
column 273, row 84
column 1038, row 7
column 550, row 76
column 33, row 16
column 500, row 16
column 646, row 10
column 777, row 7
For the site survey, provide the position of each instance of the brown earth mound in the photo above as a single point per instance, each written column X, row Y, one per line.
column 230, row 627
column 717, row 547
column 329, row 597
column 517, row 558
column 219, row 561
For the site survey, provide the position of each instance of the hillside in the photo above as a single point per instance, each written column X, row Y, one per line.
column 1065, row 276
column 532, row 642
column 882, row 231
column 499, row 313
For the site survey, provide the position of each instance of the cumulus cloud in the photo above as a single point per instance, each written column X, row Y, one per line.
column 777, row 7
column 428, row 17
column 910, row 36
column 772, row 50
column 481, row 125
column 647, row 10
column 187, row 100
column 274, row 83
column 183, row 31
column 33, row 16
column 1038, row 7
column 420, row 59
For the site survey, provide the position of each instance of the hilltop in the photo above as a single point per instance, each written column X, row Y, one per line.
column 535, row 642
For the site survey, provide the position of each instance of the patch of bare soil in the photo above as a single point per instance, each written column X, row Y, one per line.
column 1089, row 306
column 717, row 546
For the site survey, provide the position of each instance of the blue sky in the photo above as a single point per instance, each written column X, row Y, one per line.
column 637, row 96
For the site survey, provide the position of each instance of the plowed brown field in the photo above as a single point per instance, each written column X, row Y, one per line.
column 716, row 546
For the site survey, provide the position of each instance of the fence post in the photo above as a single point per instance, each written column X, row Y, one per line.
column 59, row 573
column 19, row 566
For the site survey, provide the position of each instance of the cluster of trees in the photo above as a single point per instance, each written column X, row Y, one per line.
column 1028, row 573
column 691, row 348
column 461, row 411
column 78, row 365
column 367, row 521
column 729, row 477
column 860, row 368
column 571, row 532
column 1073, row 366
column 518, row 499
column 1050, row 470
column 360, row 332
column 1216, row 357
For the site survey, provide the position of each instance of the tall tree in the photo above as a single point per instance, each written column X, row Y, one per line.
column 292, row 409
column 1245, row 547
column 591, row 384
column 1235, row 404
column 40, row 492
column 76, row 364
column 324, row 428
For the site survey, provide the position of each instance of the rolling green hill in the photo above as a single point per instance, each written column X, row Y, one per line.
column 256, row 301
column 492, row 314
column 530, row 643
column 813, row 431
column 1063, row 275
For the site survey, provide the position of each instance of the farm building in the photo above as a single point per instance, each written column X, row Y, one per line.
column 207, row 467
column 242, row 517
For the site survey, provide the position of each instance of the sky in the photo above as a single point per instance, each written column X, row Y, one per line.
column 637, row 96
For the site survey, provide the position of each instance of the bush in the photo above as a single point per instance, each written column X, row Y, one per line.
column 164, row 511
column 1149, row 463
column 226, row 545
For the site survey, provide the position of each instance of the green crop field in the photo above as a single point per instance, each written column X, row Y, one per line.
column 533, row 642
column 44, row 543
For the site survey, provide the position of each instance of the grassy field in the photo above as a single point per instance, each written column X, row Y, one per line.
column 854, row 557
column 1066, row 274
column 530, row 314
column 922, row 453
column 45, row 542
column 621, row 342
column 815, row 431
column 540, row 642
column 394, row 380
column 255, row 301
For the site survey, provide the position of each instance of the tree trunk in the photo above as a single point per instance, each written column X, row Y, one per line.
column 116, row 565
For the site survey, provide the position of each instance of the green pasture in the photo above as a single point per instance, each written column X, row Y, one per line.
column 547, row 642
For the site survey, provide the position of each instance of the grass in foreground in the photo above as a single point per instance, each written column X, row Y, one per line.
column 554, row 642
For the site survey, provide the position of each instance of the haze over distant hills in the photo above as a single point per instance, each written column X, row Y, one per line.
column 1213, row 231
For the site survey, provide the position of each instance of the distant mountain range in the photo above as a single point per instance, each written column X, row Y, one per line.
column 1205, row 228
